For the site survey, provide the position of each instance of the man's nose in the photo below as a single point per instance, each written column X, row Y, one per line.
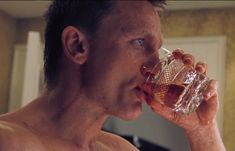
column 150, row 65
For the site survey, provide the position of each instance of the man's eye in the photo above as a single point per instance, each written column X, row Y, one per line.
column 138, row 42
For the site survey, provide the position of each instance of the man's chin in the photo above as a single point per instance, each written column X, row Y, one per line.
column 132, row 115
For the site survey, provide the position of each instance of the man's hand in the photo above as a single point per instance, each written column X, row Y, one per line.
column 200, row 126
column 205, row 114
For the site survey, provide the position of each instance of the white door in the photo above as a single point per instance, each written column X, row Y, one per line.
column 156, row 129
column 27, row 65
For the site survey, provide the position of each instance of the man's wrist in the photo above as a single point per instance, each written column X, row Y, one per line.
column 202, row 129
column 205, row 138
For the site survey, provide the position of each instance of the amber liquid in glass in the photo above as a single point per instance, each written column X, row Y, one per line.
column 167, row 94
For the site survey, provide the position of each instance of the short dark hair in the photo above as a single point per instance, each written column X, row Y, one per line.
column 85, row 14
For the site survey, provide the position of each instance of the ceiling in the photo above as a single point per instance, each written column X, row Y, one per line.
column 34, row 8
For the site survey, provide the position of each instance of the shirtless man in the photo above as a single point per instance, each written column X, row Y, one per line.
column 93, row 55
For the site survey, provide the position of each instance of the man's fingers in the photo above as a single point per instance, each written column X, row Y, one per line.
column 165, row 112
column 188, row 59
column 210, row 105
column 160, row 108
column 201, row 67
column 178, row 53
column 211, row 89
column 206, row 111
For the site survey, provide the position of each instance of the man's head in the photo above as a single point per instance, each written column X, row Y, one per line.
column 101, row 46
column 85, row 15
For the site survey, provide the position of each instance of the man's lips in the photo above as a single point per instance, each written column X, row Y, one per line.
column 141, row 94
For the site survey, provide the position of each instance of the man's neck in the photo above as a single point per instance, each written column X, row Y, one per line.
column 80, row 123
column 69, row 116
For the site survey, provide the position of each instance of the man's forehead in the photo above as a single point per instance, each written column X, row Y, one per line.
column 135, row 6
column 132, row 3
column 135, row 16
column 144, row 25
column 133, row 20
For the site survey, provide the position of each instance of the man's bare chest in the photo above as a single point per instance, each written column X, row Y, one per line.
column 60, row 145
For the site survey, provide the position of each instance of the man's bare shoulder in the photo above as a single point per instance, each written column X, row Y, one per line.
column 115, row 142
column 13, row 137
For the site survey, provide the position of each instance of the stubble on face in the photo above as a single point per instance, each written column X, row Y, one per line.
column 113, row 67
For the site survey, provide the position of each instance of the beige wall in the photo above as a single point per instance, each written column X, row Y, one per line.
column 32, row 24
column 7, row 39
column 210, row 23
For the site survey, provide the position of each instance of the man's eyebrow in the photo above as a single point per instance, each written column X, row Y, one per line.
column 132, row 30
column 126, row 29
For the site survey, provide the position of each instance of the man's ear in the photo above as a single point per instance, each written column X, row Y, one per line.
column 75, row 45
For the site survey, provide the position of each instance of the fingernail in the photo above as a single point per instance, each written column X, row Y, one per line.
column 199, row 68
column 207, row 95
column 187, row 60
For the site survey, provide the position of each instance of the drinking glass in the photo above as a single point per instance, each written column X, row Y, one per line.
column 175, row 84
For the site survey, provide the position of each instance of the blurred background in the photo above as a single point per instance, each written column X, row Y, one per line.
column 203, row 28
